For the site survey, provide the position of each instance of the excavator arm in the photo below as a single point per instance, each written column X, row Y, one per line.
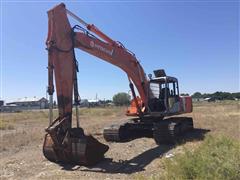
column 118, row 56
column 62, row 142
column 61, row 42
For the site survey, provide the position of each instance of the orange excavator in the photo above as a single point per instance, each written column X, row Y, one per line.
column 150, row 110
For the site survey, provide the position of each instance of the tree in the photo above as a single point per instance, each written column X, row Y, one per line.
column 222, row 95
column 206, row 95
column 197, row 95
column 236, row 95
column 184, row 94
column 121, row 99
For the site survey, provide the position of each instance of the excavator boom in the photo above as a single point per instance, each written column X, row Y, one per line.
column 62, row 65
column 67, row 144
column 62, row 40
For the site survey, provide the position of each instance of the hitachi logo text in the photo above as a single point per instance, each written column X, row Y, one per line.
column 93, row 45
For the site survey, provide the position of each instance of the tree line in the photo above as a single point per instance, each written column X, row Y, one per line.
column 218, row 95
column 122, row 98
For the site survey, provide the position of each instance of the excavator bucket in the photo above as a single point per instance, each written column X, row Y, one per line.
column 75, row 147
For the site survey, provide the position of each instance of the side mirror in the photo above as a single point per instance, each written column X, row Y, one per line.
column 150, row 76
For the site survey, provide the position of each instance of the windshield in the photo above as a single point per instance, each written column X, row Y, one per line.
column 160, row 90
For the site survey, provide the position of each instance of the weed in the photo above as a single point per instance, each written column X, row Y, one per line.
column 6, row 126
column 216, row 158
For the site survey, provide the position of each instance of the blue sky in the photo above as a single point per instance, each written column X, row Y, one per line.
column 197, row 42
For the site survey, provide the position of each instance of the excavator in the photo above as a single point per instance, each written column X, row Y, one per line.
column 152, row 108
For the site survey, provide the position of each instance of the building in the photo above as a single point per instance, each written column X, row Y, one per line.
column 197, row 99
column 30, row 103
column 1, row 103
column 210, row 99
column 93, row 102
column 84, row 103
column 9, row 108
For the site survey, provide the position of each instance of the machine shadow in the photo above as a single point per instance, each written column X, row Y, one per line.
column 139, row 162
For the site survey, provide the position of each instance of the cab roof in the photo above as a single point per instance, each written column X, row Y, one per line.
column 164, row 79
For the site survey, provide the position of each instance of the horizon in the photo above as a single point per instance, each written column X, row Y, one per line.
column 101, row 99
column 197, row 42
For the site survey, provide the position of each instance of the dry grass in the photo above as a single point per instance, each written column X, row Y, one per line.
column 216, row 158
column 221, row 118
column 101, row 112
column 24, row 116
column 5, row 126
column 29, row 126
column 21, row 129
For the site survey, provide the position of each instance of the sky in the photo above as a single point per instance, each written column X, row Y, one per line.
column 195, row 41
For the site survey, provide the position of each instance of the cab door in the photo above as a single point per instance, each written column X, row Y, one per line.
column 173, row 100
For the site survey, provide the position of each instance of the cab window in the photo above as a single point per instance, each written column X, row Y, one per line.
column 173, row 88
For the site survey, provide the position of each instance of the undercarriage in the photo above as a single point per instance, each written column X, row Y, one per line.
column 164, row 131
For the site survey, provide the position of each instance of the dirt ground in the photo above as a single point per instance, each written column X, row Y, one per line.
column 21, row 145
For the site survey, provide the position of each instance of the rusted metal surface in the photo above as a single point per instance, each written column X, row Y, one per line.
column 64, row 144
column 75, row 148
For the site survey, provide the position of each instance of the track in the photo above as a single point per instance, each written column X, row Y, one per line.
column 170, row 130
column 166, row 131
column 127, row 131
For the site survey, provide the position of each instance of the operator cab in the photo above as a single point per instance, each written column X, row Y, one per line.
column 165, row 93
